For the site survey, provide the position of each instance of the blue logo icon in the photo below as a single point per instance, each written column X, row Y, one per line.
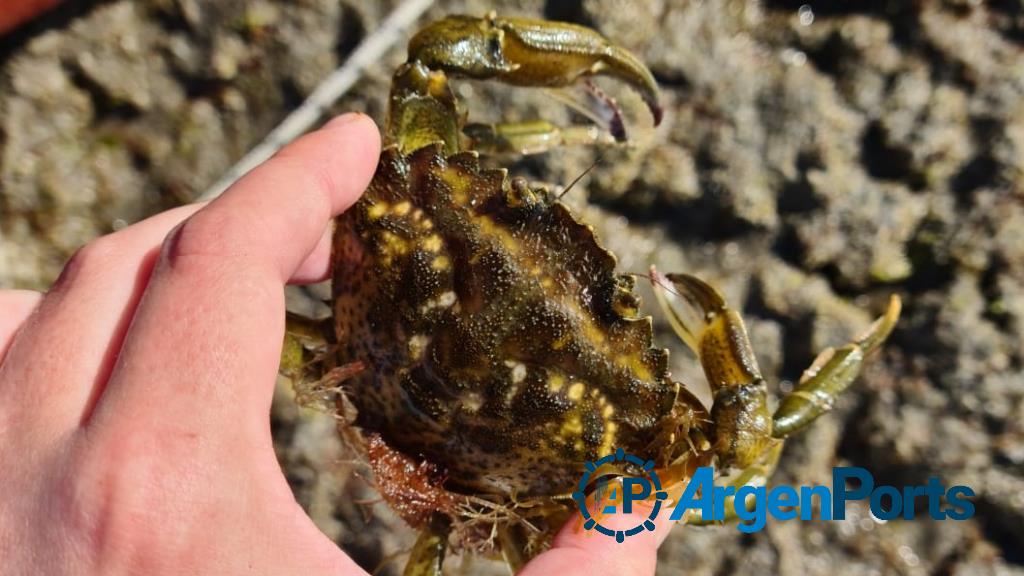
column 647, row 485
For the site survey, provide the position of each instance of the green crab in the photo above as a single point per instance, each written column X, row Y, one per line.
column 483, row 347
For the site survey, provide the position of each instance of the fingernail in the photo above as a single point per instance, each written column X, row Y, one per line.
column 344, row 119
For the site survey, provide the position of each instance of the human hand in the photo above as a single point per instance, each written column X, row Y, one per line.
column 134, row 395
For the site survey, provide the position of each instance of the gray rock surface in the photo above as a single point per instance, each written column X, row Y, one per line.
column 814, row 158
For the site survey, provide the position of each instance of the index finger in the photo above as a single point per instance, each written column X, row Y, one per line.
column 202, row 352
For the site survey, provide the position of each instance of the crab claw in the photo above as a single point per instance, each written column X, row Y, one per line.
column 700, row 316
column 525, row 52
column 830, row 374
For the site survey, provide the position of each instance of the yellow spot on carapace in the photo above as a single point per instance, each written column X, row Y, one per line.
column 594, row 334
column 555, row 383
column 608, row 411
column 459, row 184
column 572, row 427
column 636, row 365
column 445, row 300
column 376, row 210
column 576, row 391
column 432, row 243
column 510, row 394
column 440, row 263
column 428, row 224
column 417, row 344
column 392, row 244
column 491, row 229
column 402, row 208
column 517, row 371
column 472, row 402
column 608, row 440
column 560, row 342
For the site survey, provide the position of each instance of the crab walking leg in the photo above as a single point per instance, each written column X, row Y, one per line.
column 538, row 136
column 427, row 555
column 531, row 137
column 829, row 375
column 513, row 548
column 300, row 336
column 307, row 363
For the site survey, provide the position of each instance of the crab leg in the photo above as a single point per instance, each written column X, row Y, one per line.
column 525, row 52
column 513, row 548
column 742, row 425
column 531, row 137
column 427, row 555
column 829, row 375
column 301, row 335
column 754, row 475
column 699, row 315
column 516, row 51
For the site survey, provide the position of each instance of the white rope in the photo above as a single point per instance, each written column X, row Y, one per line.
column 370, row 50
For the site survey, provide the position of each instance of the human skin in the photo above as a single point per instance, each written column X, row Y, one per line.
column 135, row 393
column 16, row 12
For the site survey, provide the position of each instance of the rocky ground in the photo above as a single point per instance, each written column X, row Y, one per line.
column 814, row 159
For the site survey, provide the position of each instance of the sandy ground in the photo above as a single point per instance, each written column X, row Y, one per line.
column 814, row 159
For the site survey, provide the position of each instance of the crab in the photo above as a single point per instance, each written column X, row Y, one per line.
column 483, row 348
